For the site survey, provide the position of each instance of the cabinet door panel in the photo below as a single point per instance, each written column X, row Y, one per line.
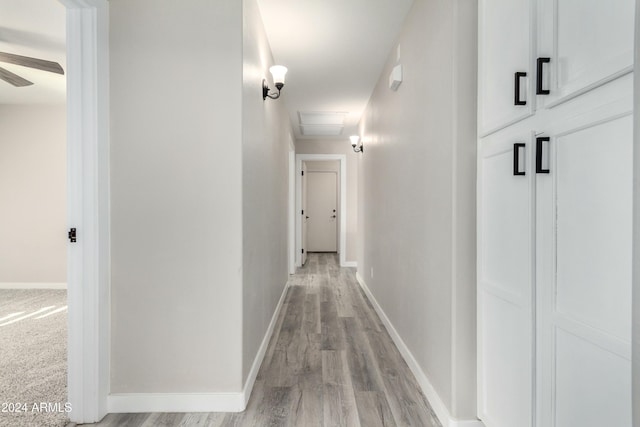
column 505, row 341
column 584, row 251
column 506, row 370
column 592, row 390
column 593, row 226
column 505, row 224
column 590, row 43
column 505, row 47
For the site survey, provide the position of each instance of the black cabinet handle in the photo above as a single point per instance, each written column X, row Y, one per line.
column 539, row 142
column 539, row 90
column 516, row 158
column 518, row 76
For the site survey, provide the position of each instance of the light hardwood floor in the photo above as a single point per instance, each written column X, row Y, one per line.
column 330, row 362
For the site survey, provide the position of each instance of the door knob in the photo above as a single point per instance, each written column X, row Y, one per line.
column 306, row 217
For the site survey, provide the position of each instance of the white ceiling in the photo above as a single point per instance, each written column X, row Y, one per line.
column 335, row 51
column 33, row 28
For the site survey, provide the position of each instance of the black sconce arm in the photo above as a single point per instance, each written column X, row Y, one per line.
column 265, row 90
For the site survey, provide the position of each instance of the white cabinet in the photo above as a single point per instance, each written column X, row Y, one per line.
column 505, row 280
column 588, row 43
column 554, row 233
column 505, row 43
column 538, row 54
column 583, row 275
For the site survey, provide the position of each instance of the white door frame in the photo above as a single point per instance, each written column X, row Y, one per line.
column 635, row 304
column 304, row 214
column 342, row 243
column 88, row 260
column 292, row 211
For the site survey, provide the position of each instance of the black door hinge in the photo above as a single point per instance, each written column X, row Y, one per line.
column 72, row 235
column 302, row 213
column 302, row 173
column 303, row 251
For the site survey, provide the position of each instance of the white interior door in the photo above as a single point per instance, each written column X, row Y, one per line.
column 505, row 285
column 322, row 204
column 304, row 213
column 584, row 277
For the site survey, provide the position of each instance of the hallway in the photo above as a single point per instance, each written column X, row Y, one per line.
column 330, row 362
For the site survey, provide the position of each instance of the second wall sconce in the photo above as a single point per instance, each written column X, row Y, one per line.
column 357, row 147
column 278, row 72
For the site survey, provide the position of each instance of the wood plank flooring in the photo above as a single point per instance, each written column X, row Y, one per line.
column 330, row 362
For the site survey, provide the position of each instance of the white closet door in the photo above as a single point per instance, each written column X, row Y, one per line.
column 505, row 288
column 584, row 277
column 505, row 47
column 589, row 42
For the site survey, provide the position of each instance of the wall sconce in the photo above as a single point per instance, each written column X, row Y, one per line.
column 278, row 72
column 358, row 148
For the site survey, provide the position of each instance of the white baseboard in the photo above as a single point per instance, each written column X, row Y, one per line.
column 429, row 391
column 197, row 402
column 32, row 285
column 465, row 423
column 257, row 362
column 349, row 264
column 175, row 402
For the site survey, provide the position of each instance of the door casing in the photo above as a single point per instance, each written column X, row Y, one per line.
column 303, row 215
column 342, row 242
column 88, row 260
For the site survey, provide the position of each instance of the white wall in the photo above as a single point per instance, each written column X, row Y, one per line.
column 33, row 246
column 329, row 146
column 176, row 180
column 266, row 135
column 416, row 198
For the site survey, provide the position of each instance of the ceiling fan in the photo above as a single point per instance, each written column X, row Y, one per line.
column 25, row 61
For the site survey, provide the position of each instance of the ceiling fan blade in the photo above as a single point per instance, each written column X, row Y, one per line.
column 13, row 79
column 26, row 61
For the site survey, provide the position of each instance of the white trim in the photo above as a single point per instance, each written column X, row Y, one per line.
column 429, row 391
column 88, row 260
column 350, row 264
column 342, row 248
column 465, row 423
column 257, row 362
column 176, row 402
column 635, row 292
column 32, row 285
column 292, row 211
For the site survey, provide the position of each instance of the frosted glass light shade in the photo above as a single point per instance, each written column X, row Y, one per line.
column 354, row 140
column 278, row 72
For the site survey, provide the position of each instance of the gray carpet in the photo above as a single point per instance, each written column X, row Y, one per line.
column 33, row 358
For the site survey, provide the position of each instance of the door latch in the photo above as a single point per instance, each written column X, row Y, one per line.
column 72, row 235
